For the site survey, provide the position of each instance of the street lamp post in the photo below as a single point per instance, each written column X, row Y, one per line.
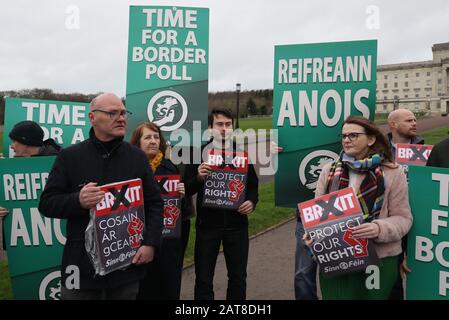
column 238, row 86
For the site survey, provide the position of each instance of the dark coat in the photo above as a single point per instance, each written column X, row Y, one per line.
column 439, row 157
column 219, row 218
column 90, row 161
column 414, row 140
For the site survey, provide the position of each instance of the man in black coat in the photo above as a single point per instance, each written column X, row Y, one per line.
column 73, row 188
column 439, row 157
column 220, row 226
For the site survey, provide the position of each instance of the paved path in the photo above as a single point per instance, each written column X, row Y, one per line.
column 270, row 268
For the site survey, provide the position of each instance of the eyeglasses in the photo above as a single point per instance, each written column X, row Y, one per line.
column 351, row 136
column 114, row 115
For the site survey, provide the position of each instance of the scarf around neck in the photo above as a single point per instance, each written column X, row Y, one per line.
column 372, row 189
column 156, row 161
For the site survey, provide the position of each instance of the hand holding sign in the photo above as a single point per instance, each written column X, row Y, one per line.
column 203, row 171
column 366, row 230
column 181, row 189
column 3, row 212
column 246, row 207
column 144, row 255
column 90, row 195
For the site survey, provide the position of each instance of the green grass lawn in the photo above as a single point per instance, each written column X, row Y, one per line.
column 256, row 123
column 5, row 284
column 436, row 135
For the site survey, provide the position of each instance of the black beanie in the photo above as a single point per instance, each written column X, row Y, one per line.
column 28, row 133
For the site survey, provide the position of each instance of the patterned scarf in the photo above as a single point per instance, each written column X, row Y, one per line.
column 372, row 189
column 156, row 161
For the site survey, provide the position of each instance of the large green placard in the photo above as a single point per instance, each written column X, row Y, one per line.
column 316, row 87
column 66, row 122
column 167, row 77
column 428, row 240
column 34, row 243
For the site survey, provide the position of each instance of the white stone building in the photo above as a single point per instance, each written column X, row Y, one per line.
column 417, row 86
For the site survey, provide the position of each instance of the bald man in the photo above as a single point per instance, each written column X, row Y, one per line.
column 402, row 123
column 72, row 189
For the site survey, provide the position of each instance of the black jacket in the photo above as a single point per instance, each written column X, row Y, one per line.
column 414, row 140
column 49, row 148
column 439, row 157
column 90, row 161
column 219, row 218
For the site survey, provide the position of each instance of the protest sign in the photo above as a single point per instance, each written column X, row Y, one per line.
column 316, row 87
column 115, row 231
column 65, row 122
column 172, row 205
column 427, row 253
column 412, row 154
column 329, row 221
column 34, row 243
column 225, row 186
column 167, row 77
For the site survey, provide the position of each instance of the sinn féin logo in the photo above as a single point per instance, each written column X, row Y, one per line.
column 50, row 288
column 168, row 110
column 311, row 166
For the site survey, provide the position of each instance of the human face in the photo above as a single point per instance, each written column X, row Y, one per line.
column 150, row 142
column 106, row 127
column 405, row 125
column 358, row 147
column 222, row 127
column 22, row 150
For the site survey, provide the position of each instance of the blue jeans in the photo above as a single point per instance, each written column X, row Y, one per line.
column 305, row 268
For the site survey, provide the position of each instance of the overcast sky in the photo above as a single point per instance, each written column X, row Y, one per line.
column 38, row 50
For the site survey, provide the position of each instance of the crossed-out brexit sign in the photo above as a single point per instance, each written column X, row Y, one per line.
column 416, row 154
column 329, row 220
column 412, row 154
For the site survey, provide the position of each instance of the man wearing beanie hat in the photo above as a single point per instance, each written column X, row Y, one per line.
column 27, row 141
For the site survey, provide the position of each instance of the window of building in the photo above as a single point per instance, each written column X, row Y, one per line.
column 386, row 76
column 395, row 84
column 406, row 75
column 396, row 97
column 440, row 81
column 406, row 83
column 416, row 95
column 439, row 105
column 428, row 83
column 385, row 107
column 395, row 75
column 417, row 74
column 406, row 96
column 385, row 85
column 385, row 97
column 428, row 74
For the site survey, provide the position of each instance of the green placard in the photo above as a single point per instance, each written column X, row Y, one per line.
column 316, row 86
column 34, row 243
column 428, row 240
column 167, row 76
column 66, row 122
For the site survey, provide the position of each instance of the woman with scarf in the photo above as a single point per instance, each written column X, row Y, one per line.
column 163, row 279
column 367, row 165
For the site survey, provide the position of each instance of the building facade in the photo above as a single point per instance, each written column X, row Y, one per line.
column 418, row 86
